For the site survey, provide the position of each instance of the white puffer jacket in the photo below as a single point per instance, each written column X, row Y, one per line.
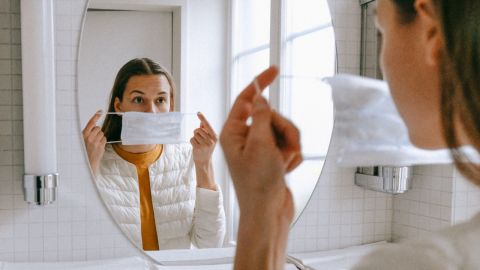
column 184, row 214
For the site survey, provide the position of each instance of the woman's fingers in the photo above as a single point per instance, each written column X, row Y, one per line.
column 261, row 129
column 194, row 142
column 91, row 123
column 288, row 135
column 206, row 125
column 297, row 160
column 100, row 135
column 95, row 137
column 200, row 132
column 235, row 129
column 104, row 140
column 239, row 109
column 94, row 132
column 204, row 137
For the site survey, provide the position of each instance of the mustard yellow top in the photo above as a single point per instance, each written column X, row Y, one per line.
column 142, row 161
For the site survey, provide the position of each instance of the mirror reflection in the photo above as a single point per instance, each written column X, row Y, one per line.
column 171, row 191
column 163, row 196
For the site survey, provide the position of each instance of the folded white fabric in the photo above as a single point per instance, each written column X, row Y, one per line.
column 368, row 129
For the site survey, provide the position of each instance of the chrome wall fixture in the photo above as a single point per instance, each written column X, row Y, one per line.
column 40, row 189
column 370, row 42
column 393, row 180
column 38, row 83
column 388, row 179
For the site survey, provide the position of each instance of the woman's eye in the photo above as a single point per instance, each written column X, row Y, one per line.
column 161, row 100
column 137, row 100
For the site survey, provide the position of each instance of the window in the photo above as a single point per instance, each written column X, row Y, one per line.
column 296, row 35
column 309, row 49
column 251, row 41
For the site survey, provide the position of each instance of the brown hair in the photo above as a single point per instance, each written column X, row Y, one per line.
column 460, row 72
column 112, row 126
column 406, row 10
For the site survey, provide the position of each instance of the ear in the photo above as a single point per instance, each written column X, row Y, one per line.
column 431, row 35
column 117, row 105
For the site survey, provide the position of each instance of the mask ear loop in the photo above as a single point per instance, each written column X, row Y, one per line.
column 117, row 113
column 257, row 86
column 258, row 92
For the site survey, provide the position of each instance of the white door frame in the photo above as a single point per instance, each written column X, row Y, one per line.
column 179, row 32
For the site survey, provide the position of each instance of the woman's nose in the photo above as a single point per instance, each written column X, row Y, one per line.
column 151, row 108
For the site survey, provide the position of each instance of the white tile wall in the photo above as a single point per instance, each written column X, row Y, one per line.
column 341, row 214
column 428, row 206
column 346, row 22
column 440, row 197
column 466, row 198
column 77, row 227
column 56, row 232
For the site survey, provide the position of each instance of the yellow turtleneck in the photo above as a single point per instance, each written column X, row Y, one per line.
column 141, row 162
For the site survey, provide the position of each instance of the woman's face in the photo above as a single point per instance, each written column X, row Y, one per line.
column 145, row 93
column 411, row 69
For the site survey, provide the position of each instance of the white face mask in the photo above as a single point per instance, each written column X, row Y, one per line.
column 155, row 128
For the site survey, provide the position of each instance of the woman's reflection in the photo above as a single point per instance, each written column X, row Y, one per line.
column 151, row 189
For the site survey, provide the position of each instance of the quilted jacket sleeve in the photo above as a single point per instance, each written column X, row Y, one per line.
column 208, row 219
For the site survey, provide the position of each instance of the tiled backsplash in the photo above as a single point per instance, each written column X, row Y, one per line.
column 440, row 197
column 76, row 226
column 341, row 214
column 466, row 199
column 428, row 206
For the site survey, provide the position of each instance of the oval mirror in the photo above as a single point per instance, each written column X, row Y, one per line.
column 149, row 64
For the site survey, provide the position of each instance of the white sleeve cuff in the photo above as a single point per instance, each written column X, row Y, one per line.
column 207, row 199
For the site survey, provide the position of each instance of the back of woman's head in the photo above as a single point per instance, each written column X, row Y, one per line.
column 112, row 126
column 460, row 73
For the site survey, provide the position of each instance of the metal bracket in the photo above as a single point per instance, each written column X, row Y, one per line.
column 393, row 180
column 365, row 2
column 40, row 189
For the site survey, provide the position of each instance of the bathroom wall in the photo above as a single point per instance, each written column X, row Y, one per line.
column 77, row 227
column 341, row 214
column 428, row 206
column 440, row 197
column 465, row 199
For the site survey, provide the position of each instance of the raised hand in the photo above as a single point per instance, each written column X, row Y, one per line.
column 258, row 157
column 203, row 143
column 95, row 142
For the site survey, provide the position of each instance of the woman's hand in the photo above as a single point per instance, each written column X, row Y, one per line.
column 258, row 157
column 95, row 142
column 203, row 142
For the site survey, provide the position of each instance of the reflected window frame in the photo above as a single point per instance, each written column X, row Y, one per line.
column 281, row 38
